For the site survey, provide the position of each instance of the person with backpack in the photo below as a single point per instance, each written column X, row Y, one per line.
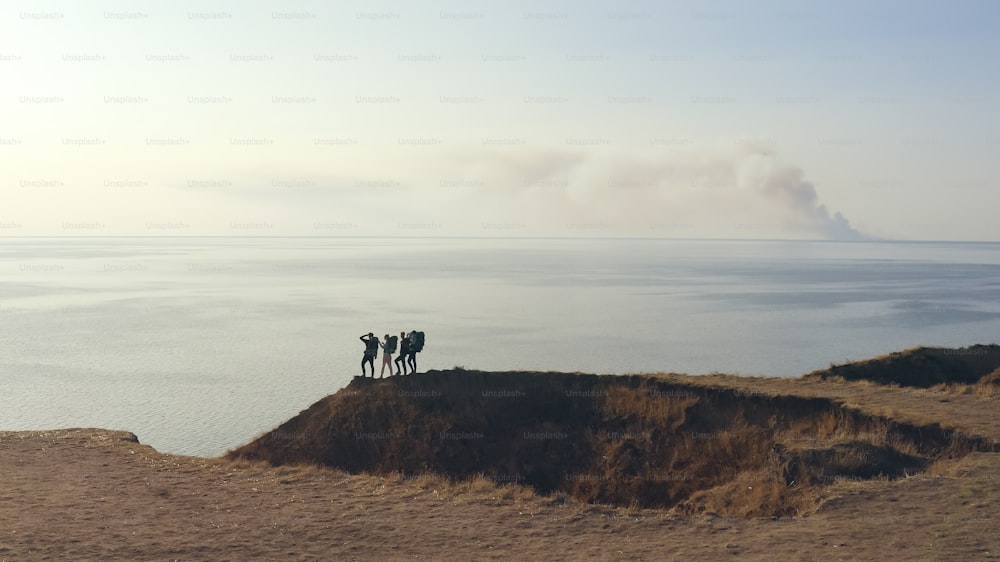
column 404, row 352
column 416, row 340
column 371, row 350
column 388, row 348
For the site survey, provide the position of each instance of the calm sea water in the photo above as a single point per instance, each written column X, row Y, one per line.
column 197, row 345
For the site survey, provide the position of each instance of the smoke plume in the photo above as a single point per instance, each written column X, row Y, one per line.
column 742, row 192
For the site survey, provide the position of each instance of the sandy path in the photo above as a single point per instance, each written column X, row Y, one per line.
column 92, row 494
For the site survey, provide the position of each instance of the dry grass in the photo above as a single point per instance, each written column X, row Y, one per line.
column 989, row 385
column 634, row 441
column 922, row 367
column 711, row 467
column 86, row 494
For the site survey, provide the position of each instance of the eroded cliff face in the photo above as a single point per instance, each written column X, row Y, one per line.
column 628, row 440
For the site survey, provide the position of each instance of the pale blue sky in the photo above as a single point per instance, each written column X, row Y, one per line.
column 707, row 119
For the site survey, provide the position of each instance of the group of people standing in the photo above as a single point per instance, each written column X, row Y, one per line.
column 409, row 345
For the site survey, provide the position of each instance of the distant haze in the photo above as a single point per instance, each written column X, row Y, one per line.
column 723, row 119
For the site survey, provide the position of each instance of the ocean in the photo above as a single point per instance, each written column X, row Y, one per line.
column 197, row 345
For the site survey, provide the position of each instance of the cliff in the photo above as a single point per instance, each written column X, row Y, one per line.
column 638, row 440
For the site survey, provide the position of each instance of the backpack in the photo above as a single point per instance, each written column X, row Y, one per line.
column 417, row 343
column 390, row 344
column 371, row 346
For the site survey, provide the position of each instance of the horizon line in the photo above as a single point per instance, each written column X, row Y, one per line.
column 458, row 237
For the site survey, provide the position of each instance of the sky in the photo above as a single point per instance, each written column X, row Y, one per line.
column 842, row 120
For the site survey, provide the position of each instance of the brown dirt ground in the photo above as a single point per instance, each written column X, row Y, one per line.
column 94, row 494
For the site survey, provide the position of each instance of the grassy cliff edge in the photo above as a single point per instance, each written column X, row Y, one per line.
column 665, row 441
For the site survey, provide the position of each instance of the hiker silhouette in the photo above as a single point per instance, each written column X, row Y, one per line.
column 388, row 348
column 415, row 346
column 404, row 352
column 371, row 350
